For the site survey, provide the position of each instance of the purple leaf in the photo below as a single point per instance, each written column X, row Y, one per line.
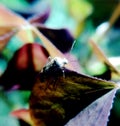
column 59, row 94
column 61, row 38
column 74, row 62
column 97, row 113
column 40, row 17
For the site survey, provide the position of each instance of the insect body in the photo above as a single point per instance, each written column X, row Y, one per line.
column 55, row 65
column 55, row 62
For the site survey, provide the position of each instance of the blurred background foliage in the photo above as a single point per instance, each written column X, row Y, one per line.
column 84, row 19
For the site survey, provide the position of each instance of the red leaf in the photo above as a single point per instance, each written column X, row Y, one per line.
column 23, row 67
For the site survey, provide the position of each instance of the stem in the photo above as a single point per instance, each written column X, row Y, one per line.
column 115, row 15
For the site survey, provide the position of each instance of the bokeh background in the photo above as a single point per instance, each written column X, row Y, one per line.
column 84, row 19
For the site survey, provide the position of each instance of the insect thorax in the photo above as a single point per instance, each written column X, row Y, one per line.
column 54, row 67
